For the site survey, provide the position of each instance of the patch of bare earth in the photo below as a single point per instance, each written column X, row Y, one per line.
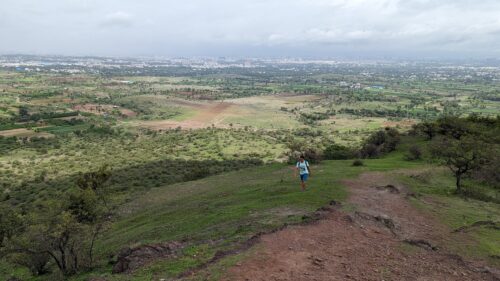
column 130, row 259
column 24, row 133
column 403, row 123
column 102, row 109
column 205, row 117
column 386, row 238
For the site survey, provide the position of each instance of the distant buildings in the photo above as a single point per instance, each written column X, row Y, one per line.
column 355, row 86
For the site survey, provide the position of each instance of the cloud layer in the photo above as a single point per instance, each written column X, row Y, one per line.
column 308, row 28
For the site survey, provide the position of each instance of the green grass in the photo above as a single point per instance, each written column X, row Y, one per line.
column 232, row 206
column 63, row 129
column 67, row 155
column 226, row 209
column 221, row 211
column 7, row 271
column 455, row 212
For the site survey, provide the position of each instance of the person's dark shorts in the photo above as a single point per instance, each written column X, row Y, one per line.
column 304, row 177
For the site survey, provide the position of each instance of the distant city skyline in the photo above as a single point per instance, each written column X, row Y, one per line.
column 413, row 29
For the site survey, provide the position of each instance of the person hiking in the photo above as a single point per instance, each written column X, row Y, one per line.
column 304, row 171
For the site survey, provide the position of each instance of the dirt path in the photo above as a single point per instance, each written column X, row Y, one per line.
column 386, row 238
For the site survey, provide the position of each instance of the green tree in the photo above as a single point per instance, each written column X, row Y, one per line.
column 23, row 113
column 430, row 129
column 64, row 231
column 96, row 181
column 461, row 156
column 454, row 127
column 10, row 224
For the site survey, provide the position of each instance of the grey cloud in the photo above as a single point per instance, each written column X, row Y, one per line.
column 248, row 28
column 117, row 19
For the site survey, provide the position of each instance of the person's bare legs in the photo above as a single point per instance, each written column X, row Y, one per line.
column 303, row 185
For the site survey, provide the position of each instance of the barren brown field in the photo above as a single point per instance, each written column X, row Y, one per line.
column 101, row 109
column 206, row 115
column 24, row 133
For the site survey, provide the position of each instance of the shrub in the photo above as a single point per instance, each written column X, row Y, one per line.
column 36, row 263
column 337, row 152
column 383, row 141
column 414, row 153
column 312, row 155
column 358, row 163
column 370, row 150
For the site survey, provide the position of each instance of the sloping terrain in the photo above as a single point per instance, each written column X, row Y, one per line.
column 255, row 224
column 383, row 238
column 354, row 223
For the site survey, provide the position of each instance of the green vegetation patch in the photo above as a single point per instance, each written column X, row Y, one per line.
column 440, row 200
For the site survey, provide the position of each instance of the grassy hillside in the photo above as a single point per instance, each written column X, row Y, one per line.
column 438, row 188
column 223, row 211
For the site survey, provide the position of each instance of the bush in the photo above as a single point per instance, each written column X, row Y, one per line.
column 414, row 153
column 312, row 155
column 383, row 141
column 337, row 152
column 357, row 163
column 36, row 263
column 369, row 150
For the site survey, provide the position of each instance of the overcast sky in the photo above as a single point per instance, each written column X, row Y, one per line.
column 249, row 28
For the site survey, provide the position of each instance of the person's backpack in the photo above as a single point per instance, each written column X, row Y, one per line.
column 305, row 162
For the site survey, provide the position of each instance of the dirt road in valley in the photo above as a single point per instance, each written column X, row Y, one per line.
column 386, row 238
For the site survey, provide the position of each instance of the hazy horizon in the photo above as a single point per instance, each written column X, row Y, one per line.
column 363, row 29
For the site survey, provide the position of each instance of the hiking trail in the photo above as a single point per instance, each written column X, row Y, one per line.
column 383, row 238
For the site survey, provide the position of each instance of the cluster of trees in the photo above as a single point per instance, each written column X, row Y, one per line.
column 62, row 233
column 42, row 94
column 365, row 112
column 8, row 144
column 378, row 143
column 492, row 95
column 24, row 115
column 311, row 118
column 469, row 147
column 140, row 161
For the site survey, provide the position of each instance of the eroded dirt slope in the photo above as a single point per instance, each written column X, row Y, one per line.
column 385, row 238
